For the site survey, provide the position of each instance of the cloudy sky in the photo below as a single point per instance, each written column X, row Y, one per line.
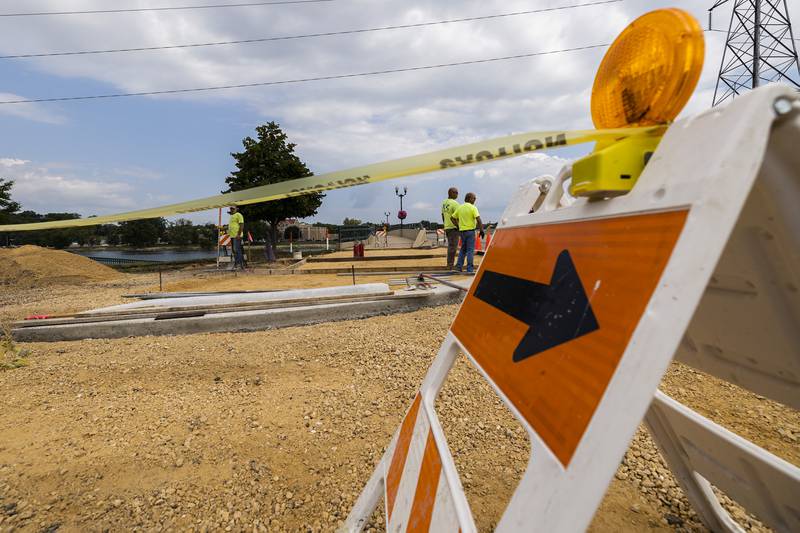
column 105, row 156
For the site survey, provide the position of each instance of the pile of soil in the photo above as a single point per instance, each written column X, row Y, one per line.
column 33, row 266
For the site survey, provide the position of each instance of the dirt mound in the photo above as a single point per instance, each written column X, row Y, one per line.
column 32, row 266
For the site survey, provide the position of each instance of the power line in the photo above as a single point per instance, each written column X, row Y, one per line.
column 309, row 35
column 715, row 31
column 300, row 80
column 169, row 8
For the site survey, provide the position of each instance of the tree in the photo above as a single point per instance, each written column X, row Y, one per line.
column 292, row 232
column 258, row 229
column 7, row 206
column 140, row 233
column 271, row 159
column 58, row 238
column 207, row 235
column 427, row 224
column 107, row 232
column 351, row 222
column 181, row 232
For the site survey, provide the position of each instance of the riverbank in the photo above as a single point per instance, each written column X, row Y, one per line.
column 167, row 248
column 163, row 256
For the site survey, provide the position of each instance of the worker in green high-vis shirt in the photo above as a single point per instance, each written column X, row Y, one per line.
column 449, row 207
column 468, row 219
column 235, row 232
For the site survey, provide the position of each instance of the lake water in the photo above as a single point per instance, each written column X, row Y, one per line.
column 177, row 255
column 147, row 255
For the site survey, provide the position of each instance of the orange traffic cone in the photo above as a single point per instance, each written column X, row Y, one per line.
column 478, row 246
column 488, row 239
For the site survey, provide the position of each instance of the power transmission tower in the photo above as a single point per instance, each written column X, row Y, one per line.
column 760, row 48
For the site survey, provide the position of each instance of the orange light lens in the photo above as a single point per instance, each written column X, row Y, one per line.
column 650, row 71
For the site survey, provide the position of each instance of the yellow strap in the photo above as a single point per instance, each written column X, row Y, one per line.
column 457, row 156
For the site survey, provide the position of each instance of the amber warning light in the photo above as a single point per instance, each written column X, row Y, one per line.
column 645, row 79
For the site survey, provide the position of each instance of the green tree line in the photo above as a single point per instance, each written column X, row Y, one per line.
column 137, row 233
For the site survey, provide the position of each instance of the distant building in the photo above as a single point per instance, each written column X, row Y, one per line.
column 306, row 231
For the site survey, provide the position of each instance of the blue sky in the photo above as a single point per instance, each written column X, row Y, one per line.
column 100, row 157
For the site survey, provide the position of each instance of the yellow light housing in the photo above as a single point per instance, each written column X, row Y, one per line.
column 650, row 71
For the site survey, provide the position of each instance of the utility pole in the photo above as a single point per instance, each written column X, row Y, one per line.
column 760, row 48
column 401, row 214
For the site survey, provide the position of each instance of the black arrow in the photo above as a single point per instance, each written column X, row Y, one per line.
column 554, row 313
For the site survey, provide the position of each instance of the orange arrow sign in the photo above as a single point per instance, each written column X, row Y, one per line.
column 555, row 313
column 522, row 305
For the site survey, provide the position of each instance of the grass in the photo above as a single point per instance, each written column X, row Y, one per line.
column 11, row 355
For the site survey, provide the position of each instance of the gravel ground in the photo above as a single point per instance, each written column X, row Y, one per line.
column 279, row 430
column 16, row 304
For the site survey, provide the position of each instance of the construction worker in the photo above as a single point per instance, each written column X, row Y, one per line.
column 449, row 207
column 235, row 232
column 269, row 250
column 468, row 220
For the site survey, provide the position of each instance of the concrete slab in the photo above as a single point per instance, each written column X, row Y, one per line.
column 421, row 240
column 317, row 269
column 157, row 295
column 365, row 289
column 240, row 321
column 368, row 258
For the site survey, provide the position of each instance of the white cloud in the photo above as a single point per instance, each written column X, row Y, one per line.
column 138, row 173
column 41, row 188
column 34, row 112
column 11, row 162
column 348, row 122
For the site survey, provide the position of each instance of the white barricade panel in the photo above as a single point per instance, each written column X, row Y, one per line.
column 747, row 327
column 419, row 486
column 567, row 298
column 576, row 313
column 417, row 495
column 707, row 452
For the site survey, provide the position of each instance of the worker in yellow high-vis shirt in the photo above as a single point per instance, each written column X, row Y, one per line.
column 468, row 219
column 236, row 232
column 449, row 207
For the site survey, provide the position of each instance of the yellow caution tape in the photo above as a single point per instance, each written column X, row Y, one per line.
column 457, row 156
